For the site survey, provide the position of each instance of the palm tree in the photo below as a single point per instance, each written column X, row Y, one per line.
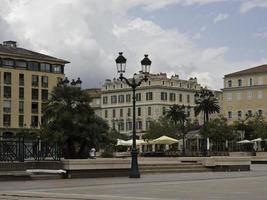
column 69, row 119
column 179, row 113
column 206, row 103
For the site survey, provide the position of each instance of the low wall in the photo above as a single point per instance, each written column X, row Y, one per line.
column 240, row 153
column 22, row 166
column 227, row 163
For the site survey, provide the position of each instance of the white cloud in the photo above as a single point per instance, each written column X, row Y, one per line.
column 261, row 33
column 220, row 17
column 91, row 33
column 251, row 4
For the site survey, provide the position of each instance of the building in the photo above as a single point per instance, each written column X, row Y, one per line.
column 95, row 94
column 26, row 79
column 153, row 99
column 245, row 92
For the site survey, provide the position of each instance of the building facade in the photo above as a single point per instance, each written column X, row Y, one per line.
column 95, row 94
column 245, row 92
column 26, row 79
column 153, row 98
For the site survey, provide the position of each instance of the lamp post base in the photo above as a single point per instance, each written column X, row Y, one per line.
column 134, row 173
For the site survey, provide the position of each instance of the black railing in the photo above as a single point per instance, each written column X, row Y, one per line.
column 23, row 149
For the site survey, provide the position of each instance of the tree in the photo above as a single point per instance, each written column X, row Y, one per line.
column 160, row 128
column 207, row 104
column 69, row 119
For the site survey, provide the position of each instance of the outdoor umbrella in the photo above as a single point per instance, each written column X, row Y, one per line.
column 244, row 142
column 129, row 142
column 164, row 140
column 256, row 140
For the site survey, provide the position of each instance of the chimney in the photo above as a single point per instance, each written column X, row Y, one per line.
column 10, row 43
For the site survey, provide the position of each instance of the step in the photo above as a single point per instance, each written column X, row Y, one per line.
column 14, row 175
column 204, row 169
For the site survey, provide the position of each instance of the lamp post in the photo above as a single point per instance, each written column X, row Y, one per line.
column 203, row 98
column 184, row 115
column 133, row 83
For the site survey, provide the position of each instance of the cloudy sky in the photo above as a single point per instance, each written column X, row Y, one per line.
column 193, row 38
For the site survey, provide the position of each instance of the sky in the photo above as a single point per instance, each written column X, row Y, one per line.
column 192, row 38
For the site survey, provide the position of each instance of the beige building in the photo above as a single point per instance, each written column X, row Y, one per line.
column 153, row 99
column 245, row 92
column 26, row 79
column 95, row 94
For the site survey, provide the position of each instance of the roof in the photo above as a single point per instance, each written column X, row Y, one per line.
column 94, row 92
column 253, row 70
column 27, row 54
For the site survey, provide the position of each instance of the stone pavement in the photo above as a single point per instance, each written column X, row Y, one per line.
column 184, row 186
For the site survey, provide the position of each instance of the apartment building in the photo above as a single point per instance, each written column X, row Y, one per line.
column 245, row 92
column 95, row 94
column 26, row 79
column 153, row 99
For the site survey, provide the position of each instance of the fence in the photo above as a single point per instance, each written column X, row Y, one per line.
column 23, row 149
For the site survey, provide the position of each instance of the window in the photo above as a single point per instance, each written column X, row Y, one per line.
column 163, row 82
column 163, row 96
column 6, row 120
column 34, row 121
column 129, row 126
column 57, row 69
column 35, row 81
column 44, row 95
column 230, row 83
column 128, row 98
column 229, row 115
column 21, row 93
column 139, row 125
column 7, row 78
column 121, row 126
column 7, row 106
column 149, row 96
column 129, row 112
column 180, row 98
column 138, row 97
column 113, row 113
column 249, row 95
column 139, row 111
column 239, row 114
column 34, row 107
column 149, row 111
column 21, row 106
column 21, row 120
column 250, row 82
column 188, row 98
column 260, row 81
column 259, row 94
column 8, row 62
column 113, row 99
column 229, row 96
column 21, row 64
column 238, row 96
column 239, row 82
column 7, row 91
column 121, row 98
column 121, row 112
column 21, row 79
column 35, row 94
column 45, row 81
column 163, row 110
column 45, row 67
column 34, row 66
column 172, row 97
column 106, row 113
column 148, row 124
column 105, row 100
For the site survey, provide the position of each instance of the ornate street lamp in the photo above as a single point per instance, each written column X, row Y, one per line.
column 133, row 83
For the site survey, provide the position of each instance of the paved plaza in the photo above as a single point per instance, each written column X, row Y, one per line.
column 205, row 185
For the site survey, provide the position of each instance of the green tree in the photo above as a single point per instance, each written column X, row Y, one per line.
column 69, row 119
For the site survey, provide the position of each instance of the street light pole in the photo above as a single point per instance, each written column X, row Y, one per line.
column 185, row 115
column 133, row 83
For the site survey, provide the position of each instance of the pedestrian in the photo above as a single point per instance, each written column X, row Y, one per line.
column 93, row 153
